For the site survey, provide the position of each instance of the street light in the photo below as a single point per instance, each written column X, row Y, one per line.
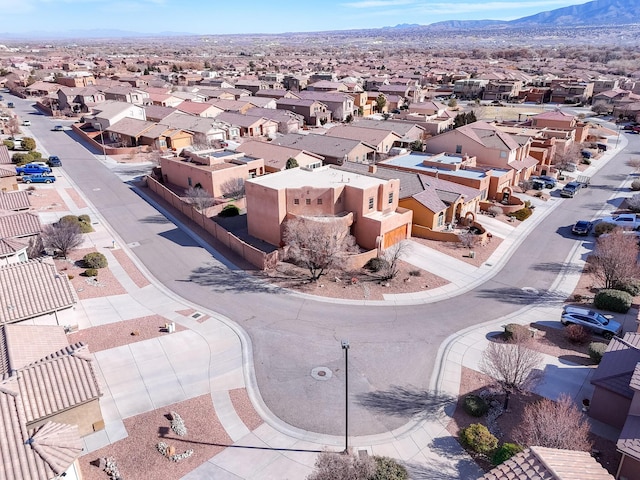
column 104, row 151
column 345, row 347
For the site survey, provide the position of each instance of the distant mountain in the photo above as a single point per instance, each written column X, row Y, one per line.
column 461, row 24
column 98, row 33
column 598, row 12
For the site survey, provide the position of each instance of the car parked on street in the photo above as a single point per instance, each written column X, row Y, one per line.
column 26, row 123
column 594, row 321
column 570, row 189
column 54, row 161
column 58, row 128
column 582, row 227
column 38, row 178
column 33, row 168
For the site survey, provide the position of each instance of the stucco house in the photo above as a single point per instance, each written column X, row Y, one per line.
column 341, row 105
column 408, row 131
column 200, row 109
column 276, row 156
column 250, row 126
column 314, row 112
column 81, row 99
column 204, row 130
column 125, row 93
column 368, row 205
column 112, row 111
column 288, row 122
column 383, row 140
column 335, row 150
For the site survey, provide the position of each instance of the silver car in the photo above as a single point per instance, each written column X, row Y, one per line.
column 594, row 321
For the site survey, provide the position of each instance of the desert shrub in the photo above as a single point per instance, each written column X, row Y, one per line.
column 522, row 214
column 596, row 351
column 72, row 219
column 415, row 273
column 70, row 277
column 516, row 330
column 28, row 143
column 478, row 438
column 632, row 287
column 505, row 452
column 475, row 405
column 21, row 158
column 388, row 469
column 85, row 218
column 576, row 334
column 635, row 185
column 10, row 144
column 95, row 260
column 376, row 264
column 495, row 210
column 90, row 272
column 586, row 161
column 613, row 300
column 603, row 227
column 229, row 211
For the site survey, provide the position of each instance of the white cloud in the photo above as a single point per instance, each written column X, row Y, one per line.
column 9, row 7
column 377, row 3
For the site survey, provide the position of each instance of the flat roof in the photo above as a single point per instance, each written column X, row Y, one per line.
column 322, row 177
column 414, row 161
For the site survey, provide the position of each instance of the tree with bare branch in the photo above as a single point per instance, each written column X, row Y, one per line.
column 319, row 243
column 199, row 198
column 564, row 159
column 338, row 466
column 512, row 364
column 634, row 162
column 614, row 260
column 233, row 188
column 62, row 237
column 13, row 126
column 392, row 256
column 558, row 424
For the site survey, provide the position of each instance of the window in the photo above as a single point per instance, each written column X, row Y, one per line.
column 390, row 197
column 319, row 201
column 189, row 180
column 458, row 148
column 441, row 219
column 308, row 201
column 370, row 203
column 296, row 201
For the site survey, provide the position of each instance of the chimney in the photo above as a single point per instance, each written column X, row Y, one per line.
column 373, row 168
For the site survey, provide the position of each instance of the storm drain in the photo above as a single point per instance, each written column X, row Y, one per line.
column 196, row 315
column 321, row 373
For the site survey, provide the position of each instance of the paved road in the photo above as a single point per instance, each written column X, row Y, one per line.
column 390, row 345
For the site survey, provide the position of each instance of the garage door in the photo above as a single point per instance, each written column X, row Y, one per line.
column 394, row 236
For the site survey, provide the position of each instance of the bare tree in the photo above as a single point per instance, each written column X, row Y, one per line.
column 62, row 237
column 512, row 364
column 392, row 255
column 614, row 261
column 634, row 163
column 233, row 188
column 468, row 239
column 554, row 425
column 319, row 244
column 199, row 198
column 13, row 127
column 565, row 159
column 633, row 203
column 337, row 466
column 35, row 247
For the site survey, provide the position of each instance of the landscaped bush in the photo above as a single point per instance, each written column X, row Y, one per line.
column 596, row 351
column 603, row 227
column 613, row 300
column 229, row 211
column 522, row 214
column 586, row 161
column 85, row 227
column 10, row 144
column 632, row 287
column 475, row 405
column 577, row 334
column 495, row 210
column 85, row 218
column 28, row 143
column 95, row 260
column 389, row 469
column 21, row 158
column 505, row 452
column 635, row 185
column 376, row 264
column 515, row 330
column 91, row 272
column 478, row 438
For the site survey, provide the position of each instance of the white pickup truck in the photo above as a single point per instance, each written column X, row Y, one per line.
column 629, row 221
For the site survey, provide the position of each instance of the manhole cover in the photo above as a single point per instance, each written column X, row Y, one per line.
column 321, row 373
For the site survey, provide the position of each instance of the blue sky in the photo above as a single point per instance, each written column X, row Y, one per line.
column 252, row 16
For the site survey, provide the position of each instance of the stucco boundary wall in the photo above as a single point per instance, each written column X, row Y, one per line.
column 421, row 231
column 506, row 209
column 251, row 254
column 356, row 262
column 107, row 150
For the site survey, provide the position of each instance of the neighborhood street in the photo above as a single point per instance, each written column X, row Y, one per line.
column 390, row 344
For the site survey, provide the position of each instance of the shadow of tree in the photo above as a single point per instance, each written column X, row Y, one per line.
column 221, row 279
column 557, row 267
column 441, row 470
column 405, row 402
column 157, row 219
column 518, row 296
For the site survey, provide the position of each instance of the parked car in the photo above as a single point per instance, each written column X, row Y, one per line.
column 33, row 168
column 594, row 321
column 26, row 123
column 54, row 161
column 58, row 128
column 570, row 189
column 38, row 178
column 582, row 227
column 549, row 182
column 629, row 221
column 10, row 105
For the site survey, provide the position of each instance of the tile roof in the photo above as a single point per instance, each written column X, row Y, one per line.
column 629, row 439
column 333, row 147
column 132, row 127
column 401, row 128
column 26, row 344
column 241, row 120
column 368, row 135
column 7, row 171
column 618, row 364
column 275, row 156
column 541, row 463
column 280, row 116
column 431, row 200
column 14, row 200
column 19, row 224
column 10, row 246
column 5, row 158
column 33, row 288
column 488, row 135
column 156, row 113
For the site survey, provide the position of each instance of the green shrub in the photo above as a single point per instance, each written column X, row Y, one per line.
column 415, row 273
column 21, row 158
column 603, row 227
column 10, row 144
column 586, row 161
column 475, row 405
column 613, row 300
column 229, row 211
column 376, row 264
column 84, row 226
column 515, row 330
column 632, row 287
column 478, row 438
column 635, row 185
column 91, row 272
column 522, row 214
column 35, row 155
column 577, row 334
column 388, row 469
column 505, row 452
column 95, row 260
column 28, row 143
column 85, row 218
column 596, row 351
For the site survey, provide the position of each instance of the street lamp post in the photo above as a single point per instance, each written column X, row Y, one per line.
column 104, row 151
column 345, row 347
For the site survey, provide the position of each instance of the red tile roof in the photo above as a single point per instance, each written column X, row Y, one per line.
column 19, row 224
column 14, row 200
